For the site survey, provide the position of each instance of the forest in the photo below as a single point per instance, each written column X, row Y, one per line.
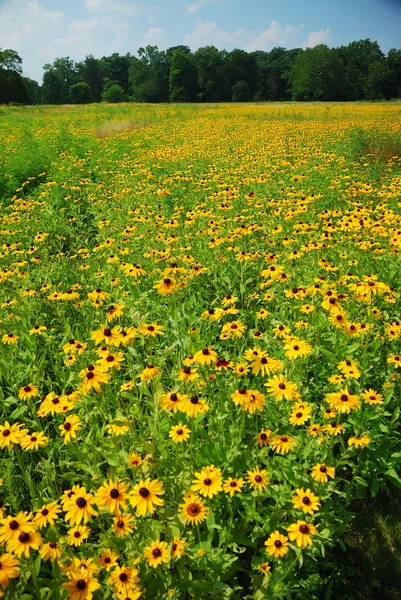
column 358, row 71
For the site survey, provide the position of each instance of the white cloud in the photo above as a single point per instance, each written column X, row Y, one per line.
column 155, row 36
column 126, row 8
column 208, row 34
column 275, row 35
column 197, row 5
column 317, row 37
column 22, row 20
column 85, row 37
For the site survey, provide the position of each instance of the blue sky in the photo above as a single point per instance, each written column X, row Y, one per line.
column 42, row 30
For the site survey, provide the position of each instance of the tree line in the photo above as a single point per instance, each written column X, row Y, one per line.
column 358, row 71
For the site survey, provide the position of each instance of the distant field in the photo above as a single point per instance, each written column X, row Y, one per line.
column 200, row 349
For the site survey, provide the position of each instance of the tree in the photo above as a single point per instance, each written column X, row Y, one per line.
column 378, row 83
column 80, row 93
column 149, row 75
column 32, row 90
column 183, row 78
column 241, row 92
column 57, row 79
column 90, row 71
column 116, row 68
column 317, row 74
column 356, row 58
column 242, row 66
column 114, row 94
column 213, row 82
column 12, row 88
column 393, row 62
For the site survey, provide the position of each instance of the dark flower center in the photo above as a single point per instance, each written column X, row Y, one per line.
column 53, row 545
column 258, row 478
column 156, row 553
column 306, row 500
column 81, row 584
column 114, row 493
column 13, row 525
column 194, row 400
column 304, row 529
column 81, row 502
column 278, row 544
column 144, row 492
column 24, row 537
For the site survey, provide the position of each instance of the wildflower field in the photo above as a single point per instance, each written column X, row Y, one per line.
column 200, row 342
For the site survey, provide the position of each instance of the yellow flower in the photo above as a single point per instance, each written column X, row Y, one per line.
column 282, row 444
column 179, row 433
column 321, row 472
column 69, row 428
column 208, row 481
column 28, row 391
column 232, row 486
column 112, row 495
column 277, row 545
column 301, row 532
column 193, row 510
column 258, row 479
column 305, row 500
column 145, row 496
column 157, row 553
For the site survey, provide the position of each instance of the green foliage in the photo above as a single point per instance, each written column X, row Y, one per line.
column 113, row 94
column 317, row 74
column 241, row 92
column 372, row 144
column 183, row 84
column 80, row 93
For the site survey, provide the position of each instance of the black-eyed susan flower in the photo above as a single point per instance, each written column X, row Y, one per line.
column 149, row 372
column 134, row 460
column 9, row 568
column 372, row 397
column 156, row 553
column 28, row 391
column 301, row 533
column 11, row 527
column 178, row 547
column 179, row 433
column 233, row 485
column 92, row 378
column 51, row 551
column 37, row 330
column 208, row 481
column 206, row 356
column 123, row 524
column 359, row 441
column 33, row 441
column 144, row 497
column 276, row 545
column 79, row 507
column 281, row 388
column 107, row 335
column 321, row 472
column 10, row 339
column 24, row 543
column 78, row 534
column 282, row 444
column 107, row 559
column 258, row 479
column 11, row 434
column 343, row 401
column 193, row 509
column 193, row 405
column 306, row 500
column 70, row 427
column 150, row 329
column 47, row 515
column 112, row 495
column 166, row 286
column 80, row 585
column 123, row 580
